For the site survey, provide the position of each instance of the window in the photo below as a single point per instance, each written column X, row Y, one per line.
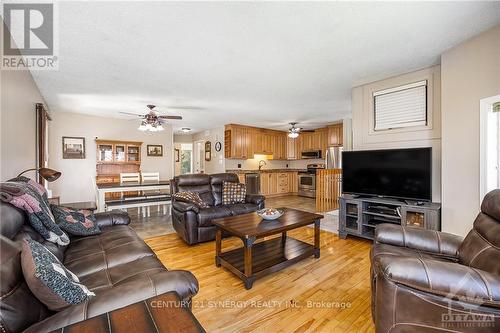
column 490, row 145
column 404, row 106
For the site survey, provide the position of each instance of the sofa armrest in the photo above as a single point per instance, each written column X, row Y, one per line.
column 431, row 241
column 255, row 199
column 442, row 278
column 115, row 217
column 184, row 206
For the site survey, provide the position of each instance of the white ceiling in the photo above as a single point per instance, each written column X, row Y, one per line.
column 256, row 63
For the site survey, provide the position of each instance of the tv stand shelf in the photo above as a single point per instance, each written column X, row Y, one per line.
column 358, row 216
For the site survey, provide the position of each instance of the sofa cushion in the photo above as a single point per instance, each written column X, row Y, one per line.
column 49, row 280
column 206, row 215
column 216, row 181
column 242, row 208
column 115, row 246
column 397, row 251
column 15, row 294
column 233, row 193
column 143, row 286
column 76, row 222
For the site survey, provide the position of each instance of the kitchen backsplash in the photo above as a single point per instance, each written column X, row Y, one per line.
column 253, row 164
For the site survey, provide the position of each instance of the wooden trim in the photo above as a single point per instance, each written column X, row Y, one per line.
column 328, row 189
column 42, row 117
column 102, row 141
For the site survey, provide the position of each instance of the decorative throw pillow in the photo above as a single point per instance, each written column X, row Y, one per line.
column 28, row 195
column 49, row 280
column 75, row 222
column 233, row 193
column 190, row 197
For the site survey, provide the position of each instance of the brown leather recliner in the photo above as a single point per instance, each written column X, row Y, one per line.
column 194, row 225
column 116, row 265
column 430, row 281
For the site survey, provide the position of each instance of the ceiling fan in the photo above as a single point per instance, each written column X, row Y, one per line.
column 152, row 121
column 293, row 132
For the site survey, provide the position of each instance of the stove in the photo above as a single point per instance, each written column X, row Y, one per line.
column 307, row 180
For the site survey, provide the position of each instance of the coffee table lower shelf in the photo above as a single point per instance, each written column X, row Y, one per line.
column 267, row 257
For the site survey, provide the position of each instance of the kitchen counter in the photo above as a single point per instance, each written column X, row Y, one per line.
column 265, row 170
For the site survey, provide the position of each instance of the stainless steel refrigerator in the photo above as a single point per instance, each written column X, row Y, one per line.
column 333, row 158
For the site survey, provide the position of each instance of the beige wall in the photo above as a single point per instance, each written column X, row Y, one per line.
column 75, row 182
column 217, row 162
column 428, row 136
column 19, row 94
column 470, row 72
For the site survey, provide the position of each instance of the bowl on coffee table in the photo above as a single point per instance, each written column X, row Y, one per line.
column 270, row 213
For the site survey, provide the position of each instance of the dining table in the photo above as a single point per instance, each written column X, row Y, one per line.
column 113, row 187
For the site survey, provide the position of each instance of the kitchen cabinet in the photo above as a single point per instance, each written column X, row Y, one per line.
column 243, row 142
column 278, row 183
column 264, row 184
column 335, row 135
column 238, row 143
column 291, row 149
column 241, row 178
column 293, row 182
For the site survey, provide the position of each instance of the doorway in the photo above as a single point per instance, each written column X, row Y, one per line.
column 199, row 156
column 490, row 145
column 186, row 158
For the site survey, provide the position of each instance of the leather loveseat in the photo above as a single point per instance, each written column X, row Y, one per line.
column 193, row 224
column 116, row 265
column 430, row 281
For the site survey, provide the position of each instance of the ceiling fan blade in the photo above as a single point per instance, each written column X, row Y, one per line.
column 131, row 114
column 171, row 117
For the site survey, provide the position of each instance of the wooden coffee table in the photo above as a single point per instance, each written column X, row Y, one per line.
column 255, row 260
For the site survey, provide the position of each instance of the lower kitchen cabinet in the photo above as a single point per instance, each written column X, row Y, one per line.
column 278, row 183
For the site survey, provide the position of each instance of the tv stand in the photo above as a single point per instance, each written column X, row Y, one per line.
column 358, row 215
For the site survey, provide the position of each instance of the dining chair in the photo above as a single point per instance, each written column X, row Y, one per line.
column 132, row 177
column 153, row 176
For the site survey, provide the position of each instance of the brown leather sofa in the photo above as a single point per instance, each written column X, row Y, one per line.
column 116, row 265
column 194, row 225
column 430, row 281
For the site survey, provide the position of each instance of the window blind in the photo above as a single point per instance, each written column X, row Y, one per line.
column 403, row 106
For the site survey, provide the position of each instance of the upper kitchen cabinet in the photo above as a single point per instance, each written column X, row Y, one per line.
column 238, row 142
column 291, row 149
column 243, row 142
column 335, row 135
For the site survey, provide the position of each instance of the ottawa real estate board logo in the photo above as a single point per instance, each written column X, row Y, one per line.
column 30, row 36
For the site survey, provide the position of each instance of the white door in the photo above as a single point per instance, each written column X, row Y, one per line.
column 199, row 157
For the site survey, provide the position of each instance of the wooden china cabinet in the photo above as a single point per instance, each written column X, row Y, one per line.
column 115, row 157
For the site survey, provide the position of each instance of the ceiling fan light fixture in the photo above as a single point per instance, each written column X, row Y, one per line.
column 142, row 127
column 186, row 129
column 293, row 135
column 159, row 128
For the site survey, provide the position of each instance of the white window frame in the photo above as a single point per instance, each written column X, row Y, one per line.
column 419, row 123
column 485, row 107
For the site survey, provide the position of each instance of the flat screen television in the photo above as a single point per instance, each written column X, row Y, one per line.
column 395, row 173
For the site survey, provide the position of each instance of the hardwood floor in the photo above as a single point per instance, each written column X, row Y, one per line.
column 329, row 294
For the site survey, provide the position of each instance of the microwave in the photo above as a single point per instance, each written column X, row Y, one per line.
column 311, row 154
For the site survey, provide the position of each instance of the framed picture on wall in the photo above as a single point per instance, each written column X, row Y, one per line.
column 208, row 151
column 176, row 155
column 154, row 150
column 73, row 147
